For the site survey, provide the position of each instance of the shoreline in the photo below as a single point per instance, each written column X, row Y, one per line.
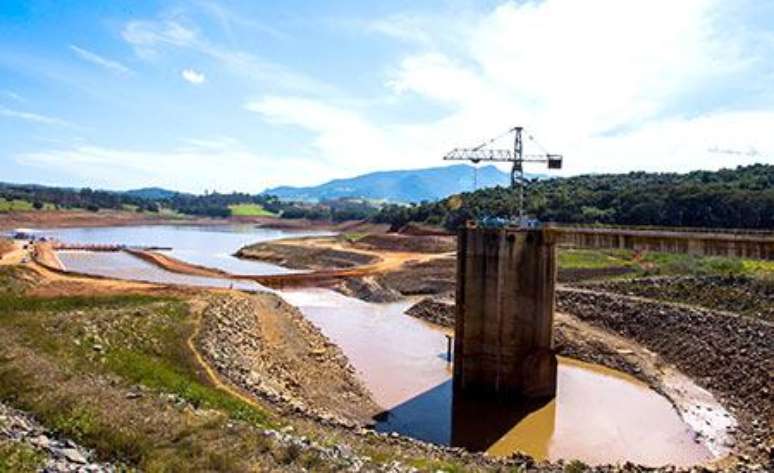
column 610, row 353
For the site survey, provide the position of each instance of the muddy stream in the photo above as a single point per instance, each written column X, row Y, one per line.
column 598, row 416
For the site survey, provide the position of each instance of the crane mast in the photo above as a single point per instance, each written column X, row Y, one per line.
column 516, row 156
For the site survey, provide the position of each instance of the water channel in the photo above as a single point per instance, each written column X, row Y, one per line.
column 599, row 415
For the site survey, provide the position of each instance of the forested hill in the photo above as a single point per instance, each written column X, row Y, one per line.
column 729, row 198
column 414, row 185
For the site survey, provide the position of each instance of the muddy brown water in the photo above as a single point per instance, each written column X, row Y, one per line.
column 598, row 416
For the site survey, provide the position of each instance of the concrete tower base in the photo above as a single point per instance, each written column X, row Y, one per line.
column 505, row 308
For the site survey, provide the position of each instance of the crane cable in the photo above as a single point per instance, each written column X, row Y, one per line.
column 490, row 141
column 510, row 130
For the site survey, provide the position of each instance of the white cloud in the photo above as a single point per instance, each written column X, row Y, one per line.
column 193, row 166
column 34, row 117
column 345, row 141
column 94, row 58
column 192, row 76
column 615, row 86
column 151, row 38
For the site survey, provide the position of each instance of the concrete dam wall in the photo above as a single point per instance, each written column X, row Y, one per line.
column 735, row 245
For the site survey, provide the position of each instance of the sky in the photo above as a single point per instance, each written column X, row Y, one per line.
column 243, row 94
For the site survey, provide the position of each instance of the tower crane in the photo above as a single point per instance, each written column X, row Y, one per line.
column 515, row 156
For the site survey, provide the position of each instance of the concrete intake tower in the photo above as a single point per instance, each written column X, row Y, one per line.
column 505, row 309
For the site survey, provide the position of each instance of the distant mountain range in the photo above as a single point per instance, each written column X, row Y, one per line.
column 403, row 186
column 413, row 185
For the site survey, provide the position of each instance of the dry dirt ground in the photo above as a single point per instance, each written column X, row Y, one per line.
column 180, row 379
column 660, row 342
column 270, row 366
column 82, row 218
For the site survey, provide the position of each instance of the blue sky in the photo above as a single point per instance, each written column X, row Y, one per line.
column 242, row 95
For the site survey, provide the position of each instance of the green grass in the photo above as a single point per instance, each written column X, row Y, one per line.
column 677, row 263
column 18, row 205
column 650, row 263
column 429, row 464
column 19, row 458
column 11, row 303
column 160, row 375
column 354, row 236
column 144, row 340
column 759, row 267
column 575, row 466
column 593, row 259
column 249, row 210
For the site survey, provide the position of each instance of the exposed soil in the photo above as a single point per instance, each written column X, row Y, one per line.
column 306, row 253
column 83, row 218
column 573, row 275
column 353, row 226
column 175, row 265
column 436, row 276
column 731, row 356
column 431, row 310
column 410, row 243
column 6, row 246
column 266, row 347
column 10, row 252
column 152, row 427
column 753, row 297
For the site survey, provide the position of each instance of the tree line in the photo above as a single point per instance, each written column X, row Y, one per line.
column 209, row 205
column 729, row 198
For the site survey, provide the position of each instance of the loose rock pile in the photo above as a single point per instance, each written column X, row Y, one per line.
column 434, row 311
column 744, row 295
column 568, row 275
column 61, row 455
column 266, row 347
column 731, row 356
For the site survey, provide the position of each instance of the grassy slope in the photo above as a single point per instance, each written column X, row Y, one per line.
column 115, row 374
column 21, row 206
column 93, row 350
column 249, row 210
column 663, row 263
column 19, row 458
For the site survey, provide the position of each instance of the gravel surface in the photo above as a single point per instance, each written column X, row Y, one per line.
column 60, row 455
column 731, row 356
column 753, row 297
column 265, row 346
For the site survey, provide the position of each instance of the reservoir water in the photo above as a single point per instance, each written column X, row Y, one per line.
column 205, row 245
column 598, row 416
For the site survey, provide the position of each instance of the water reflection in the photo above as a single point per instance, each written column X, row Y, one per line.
column 122, row 265
column 205, row 245
column 598, row 416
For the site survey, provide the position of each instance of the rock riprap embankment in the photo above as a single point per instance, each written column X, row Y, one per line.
column 745, row 295
column 266, row 347
column 732, row 356
column 58, row 455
